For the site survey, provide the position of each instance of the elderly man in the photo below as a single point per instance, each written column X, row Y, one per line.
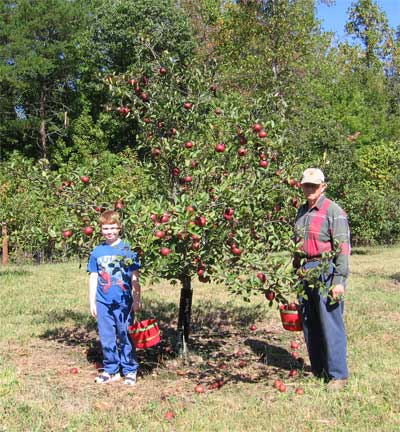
column 320, row 226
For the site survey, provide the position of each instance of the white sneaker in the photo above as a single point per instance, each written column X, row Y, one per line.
column 105, row 378
column 130, row 378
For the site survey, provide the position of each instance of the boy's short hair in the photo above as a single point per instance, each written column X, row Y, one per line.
column 110, row 217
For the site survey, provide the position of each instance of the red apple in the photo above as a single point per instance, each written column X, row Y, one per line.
column 253, row 327
column 164, row 251
column 261, row 276
column 218, row 111
column 295, row 355
column 228, row 213
column 242, row 139
column 188, row 144
column 188, row 179
column 145, row 97
column 153, row 217
column 292, row 306
column 293, row 373
column 175, row 171
column 74, row 370
column 159, row 234
column 187, row 105
column 88, row 230
column 277, row 383
column 242, row 363
column 299, row 391
column 292, row 182
column 195, row 237
column 262, row 134
column 242, row 151
column 156, row 152
column 220, row 148
column 194, row 164
column 282, row 388
column 67, row 233
column 201, row 272
column 124, row 111
column 199, row 389
column 270, row 295
column 163, row 70
column 169, row 415
column 294, row 345
column 132, row 82
column 263, row 163
column 201, row 221
column 119, row 205
column 236, row 251
column 203, row 279
column 195, row 246
column 257, row 127
column 190, row 209
column 164, row 218
column 213, row 88
column 85, row 179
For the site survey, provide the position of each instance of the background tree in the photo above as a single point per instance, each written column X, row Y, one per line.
column 38, row 53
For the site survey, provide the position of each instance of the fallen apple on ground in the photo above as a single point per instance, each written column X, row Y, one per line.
column 199, row 389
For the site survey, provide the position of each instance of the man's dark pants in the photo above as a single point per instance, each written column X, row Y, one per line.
column 324, row 330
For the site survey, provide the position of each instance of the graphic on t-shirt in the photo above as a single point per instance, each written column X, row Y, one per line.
column 111, row 273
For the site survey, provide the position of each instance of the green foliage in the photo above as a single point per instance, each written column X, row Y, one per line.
column 40, row 204
column 369, row 24
column 223, row 194
column 38, row 66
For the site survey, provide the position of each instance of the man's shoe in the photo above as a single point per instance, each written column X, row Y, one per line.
column 336, row 385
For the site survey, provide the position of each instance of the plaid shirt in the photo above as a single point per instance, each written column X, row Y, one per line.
column 317, row 228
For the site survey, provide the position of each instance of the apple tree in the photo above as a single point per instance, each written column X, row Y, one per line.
column 220, row 195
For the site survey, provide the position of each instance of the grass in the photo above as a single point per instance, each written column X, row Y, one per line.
column 46, row 330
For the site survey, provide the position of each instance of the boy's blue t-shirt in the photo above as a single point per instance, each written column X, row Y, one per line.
column 114, row 272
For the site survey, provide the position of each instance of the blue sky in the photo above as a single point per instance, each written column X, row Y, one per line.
column 334, row 17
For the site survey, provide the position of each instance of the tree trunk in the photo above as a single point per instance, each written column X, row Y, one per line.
column 4, row 234
column 185, row 309
column 42, row 132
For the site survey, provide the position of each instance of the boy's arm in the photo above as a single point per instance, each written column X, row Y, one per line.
column 92, row 294
column 136, row 291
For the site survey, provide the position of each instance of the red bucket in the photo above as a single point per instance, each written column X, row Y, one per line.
column 291, row 318
column 144, row 334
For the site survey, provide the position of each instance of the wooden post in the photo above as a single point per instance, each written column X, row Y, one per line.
column 5, row 243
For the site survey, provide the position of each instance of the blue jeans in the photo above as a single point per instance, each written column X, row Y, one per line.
column 118, row 351
column 324, row 330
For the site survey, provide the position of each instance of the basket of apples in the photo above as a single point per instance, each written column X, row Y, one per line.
column 291, row 317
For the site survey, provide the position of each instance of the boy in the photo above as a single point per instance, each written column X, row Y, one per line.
column 114, row 296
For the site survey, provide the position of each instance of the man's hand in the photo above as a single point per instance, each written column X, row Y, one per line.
column 337, row 292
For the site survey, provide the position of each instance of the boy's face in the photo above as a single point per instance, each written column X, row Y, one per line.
column 110, row 232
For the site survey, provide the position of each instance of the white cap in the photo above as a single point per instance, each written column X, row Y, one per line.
column 313, row 175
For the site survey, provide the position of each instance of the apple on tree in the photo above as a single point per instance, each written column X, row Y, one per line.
column 88, row 230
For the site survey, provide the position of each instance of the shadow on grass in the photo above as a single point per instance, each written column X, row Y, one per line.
column 395, row 277
column 14, row 272
column 215, row 334
column 360, row 251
